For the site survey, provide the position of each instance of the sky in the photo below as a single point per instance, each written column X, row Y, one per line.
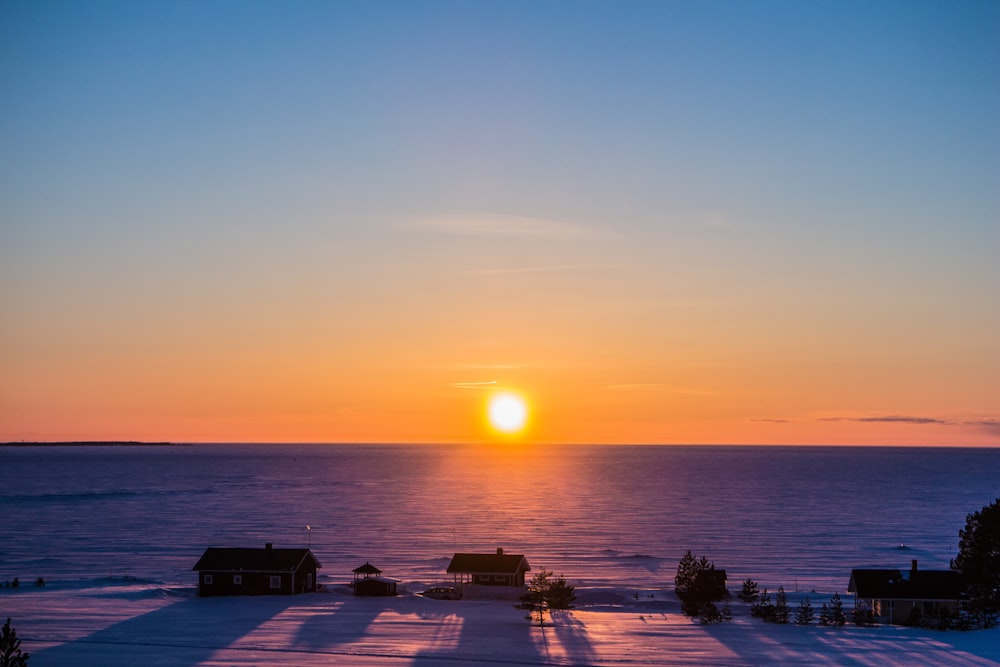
column 657, row 222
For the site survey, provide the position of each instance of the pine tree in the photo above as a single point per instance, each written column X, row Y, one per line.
column 687, row 572
column 825, row 615
column 10, row 648
column 698, row 585
column 749, row 593
column 763, row 608
column 545, row 594
column 837, row 616
column 560, row 595
column 804, row 616
column 727, row 613
column 534, row 600
column 781, row 611
column 979, row 559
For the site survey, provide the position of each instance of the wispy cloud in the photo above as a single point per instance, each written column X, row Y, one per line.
column 890, row 419
column 496, row 224
column 547, row 269
column 772, row 421
column 652, row 386
column 990, row 425
column 473, row 385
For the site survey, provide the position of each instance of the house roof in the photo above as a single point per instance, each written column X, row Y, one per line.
column 368, row 569
column 713, row 576
column 267, row 559
column 906, row 584
column 499, row 563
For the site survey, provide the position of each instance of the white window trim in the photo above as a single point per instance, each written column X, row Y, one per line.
column 237, row 580
column 207, row 580
column 275, row 581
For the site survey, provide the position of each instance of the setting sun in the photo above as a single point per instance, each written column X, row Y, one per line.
column 508, row 413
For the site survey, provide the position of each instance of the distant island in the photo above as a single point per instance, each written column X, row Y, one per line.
column 93, row 443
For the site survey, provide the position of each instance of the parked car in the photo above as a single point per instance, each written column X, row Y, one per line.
column 443, row 593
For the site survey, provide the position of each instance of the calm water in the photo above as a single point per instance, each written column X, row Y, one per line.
column 602, row 516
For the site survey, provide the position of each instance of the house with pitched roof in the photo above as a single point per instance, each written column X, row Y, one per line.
column 497, row 569
column 250, row 571
column 900, row 597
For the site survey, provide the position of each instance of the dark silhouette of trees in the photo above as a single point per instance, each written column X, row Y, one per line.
column 699, row 586
column 838, row 618
column 781, row 610
column 804, row 615
column 978, row 560
column 10, row 648
column 750, row 592
column 545, row 594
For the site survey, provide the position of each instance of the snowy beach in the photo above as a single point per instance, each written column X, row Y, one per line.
column 115, row 532
column 125, row 624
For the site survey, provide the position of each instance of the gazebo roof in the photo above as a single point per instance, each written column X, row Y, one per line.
column 367, row 569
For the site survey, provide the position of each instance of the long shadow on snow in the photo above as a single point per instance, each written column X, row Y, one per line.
column 760, row 642
column 189, row 630
column 572, row 634
column 487, row 635
column 347, row 622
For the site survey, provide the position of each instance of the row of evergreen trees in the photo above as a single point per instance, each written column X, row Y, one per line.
column 778, row 611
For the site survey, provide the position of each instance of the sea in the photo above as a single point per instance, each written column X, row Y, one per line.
column 604, row 517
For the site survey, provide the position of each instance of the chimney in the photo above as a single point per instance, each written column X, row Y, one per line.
column 913, row 565
column 267, row 547
column 499, row 551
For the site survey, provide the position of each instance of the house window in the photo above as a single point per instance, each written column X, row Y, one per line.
column 237, row 580
column 276, row 581
column 208, row 580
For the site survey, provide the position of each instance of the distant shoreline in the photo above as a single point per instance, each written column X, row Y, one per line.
column 94, row 443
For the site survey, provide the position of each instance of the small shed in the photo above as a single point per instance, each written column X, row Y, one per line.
column 711, row 583
column 252, row 571
column 902, row 596
column 369, row 582
column 497, row 569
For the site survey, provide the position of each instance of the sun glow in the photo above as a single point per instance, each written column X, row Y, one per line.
column 508, row 413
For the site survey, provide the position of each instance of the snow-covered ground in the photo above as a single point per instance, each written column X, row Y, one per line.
column 127, row 624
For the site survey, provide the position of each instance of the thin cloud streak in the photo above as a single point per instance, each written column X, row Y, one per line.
column 496, row 224
column 547, row 269
column 890, row 419
column 473, row 385
column 651, row 386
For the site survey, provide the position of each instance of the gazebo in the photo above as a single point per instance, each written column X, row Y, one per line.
column 368, row 582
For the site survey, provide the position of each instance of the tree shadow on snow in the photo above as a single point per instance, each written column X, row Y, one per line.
column 485, row 633
column 572, row 635
column 185, row 632
column 348, row 621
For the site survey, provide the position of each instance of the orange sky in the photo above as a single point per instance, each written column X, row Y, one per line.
column 661, row 224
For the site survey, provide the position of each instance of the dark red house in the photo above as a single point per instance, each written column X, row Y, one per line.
column 906, row 596
column 497, row 569
column 267, row 571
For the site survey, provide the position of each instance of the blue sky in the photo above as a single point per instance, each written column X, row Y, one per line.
column 804, row 171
